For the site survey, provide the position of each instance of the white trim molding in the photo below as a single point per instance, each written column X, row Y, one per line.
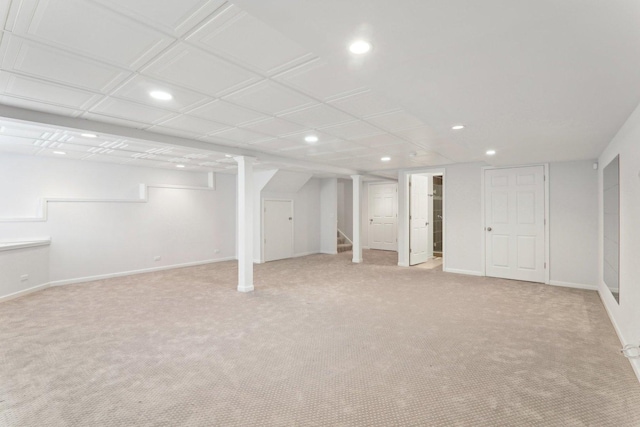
column 466, row 272
column 573, row 285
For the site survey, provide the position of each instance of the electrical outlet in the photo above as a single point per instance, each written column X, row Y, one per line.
column 158, row 258
column 24, row 277
column 216, row 251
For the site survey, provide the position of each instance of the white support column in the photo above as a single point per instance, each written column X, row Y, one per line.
column 357, row 227
column 245, row 223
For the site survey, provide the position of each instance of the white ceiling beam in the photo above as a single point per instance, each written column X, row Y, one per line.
column 84, row 125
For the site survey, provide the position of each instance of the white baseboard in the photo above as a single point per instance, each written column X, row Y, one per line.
column 24, row 292
column 573, row 285
column 458, row 271
column 635, row 363
column 132, row 272
column 329, row 252
column 403, row 264
column 307, row 253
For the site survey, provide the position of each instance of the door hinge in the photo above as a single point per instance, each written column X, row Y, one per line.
column 545, row 265
column 545, row 221
column 409, row 216
column 265, row 241
column 410, row 250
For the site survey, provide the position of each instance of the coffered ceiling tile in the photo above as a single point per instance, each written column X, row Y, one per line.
column 175, row 17
column 246, row 40
column 380, row 140
column 227, row 113
column 270, row 98
column 275, row 144
column 193, row 68
column 352, row 130
column 323, row 138
column 275, row 126
column 50, row 93
column 396, row 121
column 139, row 88
column 420, row 133
column 318, row 116
column 193, row 124
column 365, row 104
column 47, row 63
column 87, row 28
column 127, row 110
column 311, row 78
column 243, row 136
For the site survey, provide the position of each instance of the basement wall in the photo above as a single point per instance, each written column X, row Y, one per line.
column 626, row 315
column 306, row 214
column 572, row 221
column 104, row 238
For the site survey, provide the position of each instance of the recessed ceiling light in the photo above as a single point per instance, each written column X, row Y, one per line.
column 59, row 152
column 179, row 166
column 491, row 152
column 385, row 159
column 360, row 47
column 457, row 127
column 161, row 95
column 89, row 135
column 228, row 155
column 311, row 138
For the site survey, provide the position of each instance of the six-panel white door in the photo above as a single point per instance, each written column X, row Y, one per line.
column 278, row 229
column 383, row 205
column 515, row 223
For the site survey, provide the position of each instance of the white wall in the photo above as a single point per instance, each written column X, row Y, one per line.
column 306, row 213
column 626, row 315
column 32, row 262
column 328, row 212
column 91, row 239
column 573, row 220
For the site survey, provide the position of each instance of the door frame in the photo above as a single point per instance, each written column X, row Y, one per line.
column 263, row 229
column 403, row 198
column 547, row 225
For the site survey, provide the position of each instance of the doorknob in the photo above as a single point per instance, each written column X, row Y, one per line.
column 426, row 223
column 488, row 228
column 370, row 220
column 290, row 218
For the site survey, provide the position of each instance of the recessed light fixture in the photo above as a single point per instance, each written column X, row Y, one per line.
column 491, row 152
column 179, row 166
column 385, row 159
column 360, row 47
column 59, row 152
column 311, row 138
column 228, row 155
column 457, row 127
column 89, row 135
column 161, row 95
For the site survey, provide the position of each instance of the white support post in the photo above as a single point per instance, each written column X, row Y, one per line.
column 357, row 227
column 245, row 223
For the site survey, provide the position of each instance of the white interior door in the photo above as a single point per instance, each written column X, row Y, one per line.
column 383, row 216
column 278, row 229
column 420, row 238
column 515, row 223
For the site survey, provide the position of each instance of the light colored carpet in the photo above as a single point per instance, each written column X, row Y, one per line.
column 321, row 342
column 430, row 264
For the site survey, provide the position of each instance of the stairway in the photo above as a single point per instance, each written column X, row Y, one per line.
column 343, row 244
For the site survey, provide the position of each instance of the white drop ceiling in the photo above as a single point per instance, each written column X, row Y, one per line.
column 537, row 81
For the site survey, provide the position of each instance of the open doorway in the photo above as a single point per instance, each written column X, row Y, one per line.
column 426, row 220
